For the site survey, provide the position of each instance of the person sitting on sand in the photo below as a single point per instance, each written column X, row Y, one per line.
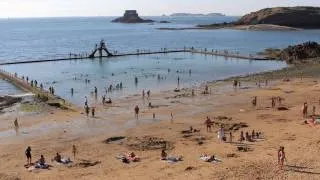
column 57, row 158
column 163, row 155
column 42, row 161
column 133, row 157
column 109, row 101
column 248, row 137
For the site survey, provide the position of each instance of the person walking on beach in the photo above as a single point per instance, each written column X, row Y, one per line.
column 254, row 101
column 95, row 90
column 28, row 154
column 154, row 116
column 281, row 157
column 148, row 93
column 230, row 137
column 221, row 134
column 85, row 101
column 273, row 102
column 208, row 123
column 136, row 110
column 74, row 151
column 93, row 110
column 87, row 109
column 16, row 125
column 143, row 94
column 71, row 91
column 305, row 109
column 314, row 110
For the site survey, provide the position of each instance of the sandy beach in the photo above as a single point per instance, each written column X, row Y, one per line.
column 51, row 130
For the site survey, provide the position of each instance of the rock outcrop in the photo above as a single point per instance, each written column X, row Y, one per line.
column 299, row 17
column 300, row 52
column 131, row 16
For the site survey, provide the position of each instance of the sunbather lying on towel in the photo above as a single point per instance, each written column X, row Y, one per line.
column 164, row 156
column 208, row 158
column 61, row 160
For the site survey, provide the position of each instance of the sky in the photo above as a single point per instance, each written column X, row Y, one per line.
column 58, row 8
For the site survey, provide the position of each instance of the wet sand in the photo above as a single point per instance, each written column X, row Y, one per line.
column 53, row 130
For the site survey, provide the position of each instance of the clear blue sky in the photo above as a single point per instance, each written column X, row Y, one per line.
column 55, row 8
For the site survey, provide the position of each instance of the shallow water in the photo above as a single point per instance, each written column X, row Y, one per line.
column 8, row 89
column 154, row 72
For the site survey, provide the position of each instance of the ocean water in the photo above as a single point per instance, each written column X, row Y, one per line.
column 154, row 72
column 43, row 38
column 46, row 38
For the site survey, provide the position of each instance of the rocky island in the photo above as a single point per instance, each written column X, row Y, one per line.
column 131, row 16
column 277, row 18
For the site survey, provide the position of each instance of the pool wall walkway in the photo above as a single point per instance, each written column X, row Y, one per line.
column 138, row 53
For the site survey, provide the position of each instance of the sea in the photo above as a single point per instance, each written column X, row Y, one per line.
column 28, row 39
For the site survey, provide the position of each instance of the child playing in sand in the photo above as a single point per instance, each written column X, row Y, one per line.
column 281, row 157
column 28, row 154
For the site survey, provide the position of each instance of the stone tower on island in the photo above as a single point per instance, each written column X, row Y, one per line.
column 131, row 16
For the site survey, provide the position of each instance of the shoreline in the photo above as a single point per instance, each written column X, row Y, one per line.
column 258, row 27
column 189, row 111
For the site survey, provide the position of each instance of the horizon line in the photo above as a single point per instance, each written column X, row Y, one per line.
column 79, row 16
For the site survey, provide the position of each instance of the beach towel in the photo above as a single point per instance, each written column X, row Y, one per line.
column 174, row 159
column 207, row 159
column 64, row 161
column 41, row 166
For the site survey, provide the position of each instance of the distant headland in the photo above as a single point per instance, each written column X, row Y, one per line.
column 277, row 18
column 131, row 16
column 191, row 14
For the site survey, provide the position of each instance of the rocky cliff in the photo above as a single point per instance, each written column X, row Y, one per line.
column 131, row 16
column 299, row 17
